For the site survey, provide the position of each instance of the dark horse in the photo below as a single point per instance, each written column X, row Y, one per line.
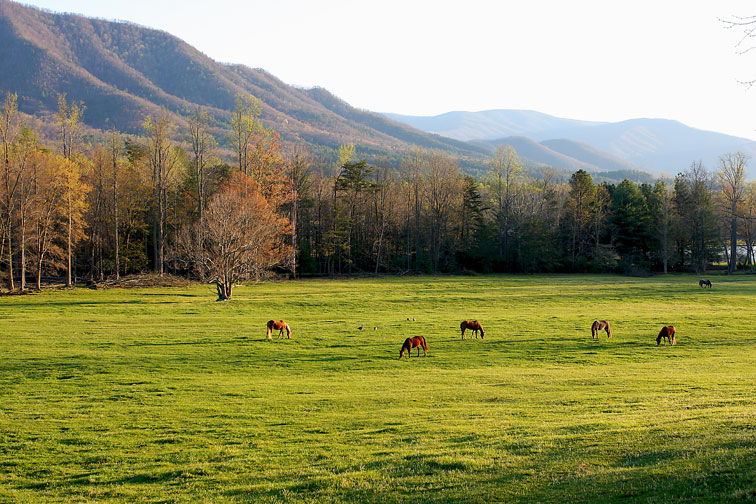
column 410, row 343
column 279, row 325
column 474, row 326
column 704, row 283
column 599, row 325
column 666, row 332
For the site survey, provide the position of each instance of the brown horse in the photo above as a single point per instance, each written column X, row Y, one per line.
column 666, row 332
column 599, row 325
column 410, row 343
column 279, row 325
column 704, row 283
column 474, row 326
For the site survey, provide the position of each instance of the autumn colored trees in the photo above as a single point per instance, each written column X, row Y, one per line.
column 228, row 209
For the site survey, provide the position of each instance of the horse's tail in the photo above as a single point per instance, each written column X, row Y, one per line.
column 288, row 331
column 482, row 332
column 608, row 330
column 270, row 329
column 425, row 345
column 594, row 329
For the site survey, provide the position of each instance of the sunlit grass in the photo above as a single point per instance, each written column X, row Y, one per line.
column 163, row 395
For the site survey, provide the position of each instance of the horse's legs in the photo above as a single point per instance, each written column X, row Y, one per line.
column 463, row 334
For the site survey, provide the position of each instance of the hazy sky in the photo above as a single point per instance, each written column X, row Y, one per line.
column 595, row 60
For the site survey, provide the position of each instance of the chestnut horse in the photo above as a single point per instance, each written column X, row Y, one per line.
column 410, row 343
column 279, row 325
column 474, row 326
column 666, row 332
column 704, row 283
column 599, row 325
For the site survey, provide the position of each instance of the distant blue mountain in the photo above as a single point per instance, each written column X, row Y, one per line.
column 657, row 145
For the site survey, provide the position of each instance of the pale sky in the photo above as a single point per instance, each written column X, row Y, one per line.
column 602, row 60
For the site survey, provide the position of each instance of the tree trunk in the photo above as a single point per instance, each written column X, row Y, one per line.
column 666, row 237
column 294, row 236
column 417, row 224
column 39, row 273
column 224, row 288
column 733, row 244
column 155, row 237
column 11, row 283
column 115, row 220
column 161, row 231
column 380, row 244
column 92, row 258
column 69, row 251
column 23, row 250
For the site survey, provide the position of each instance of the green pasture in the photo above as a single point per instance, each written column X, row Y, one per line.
column 165, row 396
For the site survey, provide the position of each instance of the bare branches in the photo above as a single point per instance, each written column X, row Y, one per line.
column 240, row 237
column 747, row 24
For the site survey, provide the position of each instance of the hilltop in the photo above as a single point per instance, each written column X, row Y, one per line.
column 123, row 72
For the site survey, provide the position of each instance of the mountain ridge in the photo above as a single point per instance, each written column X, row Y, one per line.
column 123, row 71
column 658, row 145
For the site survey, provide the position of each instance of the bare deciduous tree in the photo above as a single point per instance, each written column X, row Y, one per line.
column 9, row 131
column 243, row 237
column 505, row 167
column 299, row 174
column 244, row 124
column 732, row 179
column 164, row 156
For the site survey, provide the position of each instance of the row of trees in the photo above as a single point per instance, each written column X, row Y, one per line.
column 427, row 216
column 177, row 201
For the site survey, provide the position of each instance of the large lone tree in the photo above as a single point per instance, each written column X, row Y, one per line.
column 242, row 236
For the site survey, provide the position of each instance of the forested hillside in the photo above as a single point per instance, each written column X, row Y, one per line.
column 123, row 72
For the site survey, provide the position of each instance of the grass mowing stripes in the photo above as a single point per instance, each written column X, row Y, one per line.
column 163, row 395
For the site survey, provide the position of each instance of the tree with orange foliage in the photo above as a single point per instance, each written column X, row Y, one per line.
column 269, row 168
column 243, row 236
column 48, row 211
column 73, row 195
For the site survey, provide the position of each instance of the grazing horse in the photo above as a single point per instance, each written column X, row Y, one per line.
column 474, row 326
column 279, row 325
column 666, row 332
column 704, row 283
column 410, row 343
column 599, row 325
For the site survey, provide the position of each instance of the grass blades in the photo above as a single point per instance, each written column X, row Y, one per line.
column 165, row 396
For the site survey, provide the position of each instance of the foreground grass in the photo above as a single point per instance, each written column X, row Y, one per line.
column 163, row 395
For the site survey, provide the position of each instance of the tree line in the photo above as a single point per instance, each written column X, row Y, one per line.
column 178, row 199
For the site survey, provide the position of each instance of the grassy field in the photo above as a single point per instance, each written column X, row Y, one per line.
column 163, row 395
